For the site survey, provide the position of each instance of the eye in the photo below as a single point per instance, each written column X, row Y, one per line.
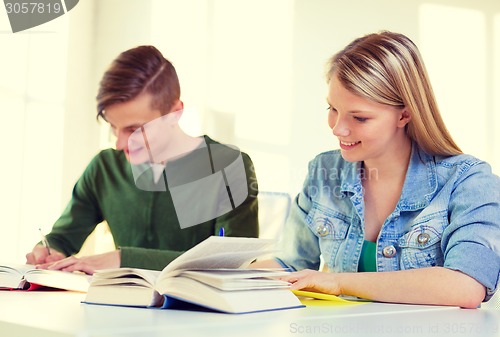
column 331, row 109
column 361, row 119
column 131, row 129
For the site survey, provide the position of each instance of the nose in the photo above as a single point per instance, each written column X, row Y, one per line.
column 339, row 126
column 121, row 140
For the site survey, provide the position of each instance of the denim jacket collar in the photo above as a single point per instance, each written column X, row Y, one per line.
column 417, row 191
column 350, row 179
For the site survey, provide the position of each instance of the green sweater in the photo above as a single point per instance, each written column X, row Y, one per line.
column 144, row 224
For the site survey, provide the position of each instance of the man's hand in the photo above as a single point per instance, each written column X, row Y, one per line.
column 86, row 264
column 40, row 255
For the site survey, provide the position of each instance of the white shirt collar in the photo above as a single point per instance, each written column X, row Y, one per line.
column 157, row 171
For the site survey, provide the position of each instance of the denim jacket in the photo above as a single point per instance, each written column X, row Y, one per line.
column 448, row 215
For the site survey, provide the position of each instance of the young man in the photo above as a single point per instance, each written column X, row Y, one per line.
column 161, row 191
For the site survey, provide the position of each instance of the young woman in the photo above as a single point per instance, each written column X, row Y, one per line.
column 398, row 214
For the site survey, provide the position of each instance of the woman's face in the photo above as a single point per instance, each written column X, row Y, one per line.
column 366, row 130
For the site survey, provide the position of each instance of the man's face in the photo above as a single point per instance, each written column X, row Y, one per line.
column 139, row 129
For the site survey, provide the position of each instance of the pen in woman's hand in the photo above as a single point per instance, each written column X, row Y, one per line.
column 45, row 242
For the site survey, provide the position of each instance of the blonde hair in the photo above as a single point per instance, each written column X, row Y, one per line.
column 387, row 68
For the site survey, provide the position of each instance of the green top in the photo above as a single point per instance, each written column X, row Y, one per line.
column 368, row 258
column 144, row 224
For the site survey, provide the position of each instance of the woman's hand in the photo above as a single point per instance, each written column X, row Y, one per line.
column 312, row 280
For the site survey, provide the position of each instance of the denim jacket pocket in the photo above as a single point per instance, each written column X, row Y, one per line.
column 330, row 227
column 421, row 246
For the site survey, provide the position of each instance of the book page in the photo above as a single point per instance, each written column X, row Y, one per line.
column 221, row 252
column 12, row 275
column 232, row 274
column 17, row 269
column 125, row 275
column 239, row 279
column 74, row 281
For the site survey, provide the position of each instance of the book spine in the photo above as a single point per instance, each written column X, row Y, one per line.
column 170, row 302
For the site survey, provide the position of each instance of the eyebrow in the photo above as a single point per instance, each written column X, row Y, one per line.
column 351, row 111
column 134, row 126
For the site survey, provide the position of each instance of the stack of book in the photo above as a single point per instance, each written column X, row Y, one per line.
column 211, row 275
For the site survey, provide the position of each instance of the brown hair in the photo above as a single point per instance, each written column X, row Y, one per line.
column 387, row 68
column 139, row 70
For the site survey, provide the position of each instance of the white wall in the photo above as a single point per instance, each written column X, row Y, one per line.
column 32, row 107
column 252, row 74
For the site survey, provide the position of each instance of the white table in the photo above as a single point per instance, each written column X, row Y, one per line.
column 58, row 313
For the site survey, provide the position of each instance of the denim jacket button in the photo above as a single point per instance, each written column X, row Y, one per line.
column 323, row 230
column 423, row 238
column 389, row 251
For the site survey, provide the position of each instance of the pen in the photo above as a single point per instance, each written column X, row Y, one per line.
column 221, row 231
column 44, row 241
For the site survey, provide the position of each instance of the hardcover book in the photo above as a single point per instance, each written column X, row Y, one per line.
column 211, row 275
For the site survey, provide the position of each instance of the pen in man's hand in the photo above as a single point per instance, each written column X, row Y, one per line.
column 44, row 241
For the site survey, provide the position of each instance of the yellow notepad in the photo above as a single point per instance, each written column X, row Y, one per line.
column 321, row 299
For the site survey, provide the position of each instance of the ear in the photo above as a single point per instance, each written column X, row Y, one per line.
column 175, row 112
column 404, row 118
column 178, row 105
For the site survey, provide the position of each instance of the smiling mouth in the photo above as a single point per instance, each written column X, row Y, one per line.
column 133, row 152
column 349, row 143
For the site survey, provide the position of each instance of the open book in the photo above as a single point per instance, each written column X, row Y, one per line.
column 209, row 275
column 27, row 277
